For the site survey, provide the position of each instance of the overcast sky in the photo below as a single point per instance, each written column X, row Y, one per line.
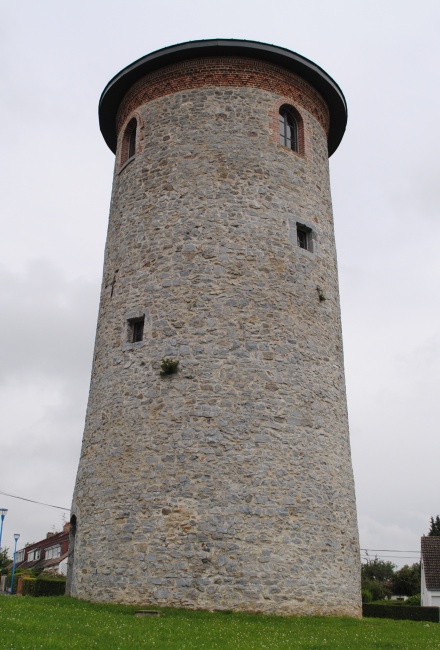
column 56, row 175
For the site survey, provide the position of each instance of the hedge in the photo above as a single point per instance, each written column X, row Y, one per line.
column 402, row 612
column 8, row 582
column 44, row 586
column 28, row 586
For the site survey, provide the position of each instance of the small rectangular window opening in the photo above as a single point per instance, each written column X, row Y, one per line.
column 136, row 329
column 304, row 237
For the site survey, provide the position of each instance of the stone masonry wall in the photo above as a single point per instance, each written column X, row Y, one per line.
column 224, row 71
column 228, row 485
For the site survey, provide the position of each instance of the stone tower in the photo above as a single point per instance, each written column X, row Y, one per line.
column 227, row 484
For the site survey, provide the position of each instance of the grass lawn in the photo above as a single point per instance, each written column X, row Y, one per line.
column 63, row 623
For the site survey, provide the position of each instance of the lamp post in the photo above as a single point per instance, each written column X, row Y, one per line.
column 3, row 512
column 16, row 538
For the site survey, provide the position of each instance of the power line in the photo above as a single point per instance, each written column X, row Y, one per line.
column 49, row 505
column 400, row 557
column 386, row 550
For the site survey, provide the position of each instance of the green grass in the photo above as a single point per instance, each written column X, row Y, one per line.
column 63, row 623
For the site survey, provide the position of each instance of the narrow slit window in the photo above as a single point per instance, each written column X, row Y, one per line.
column 136, row 329
column 304, row 237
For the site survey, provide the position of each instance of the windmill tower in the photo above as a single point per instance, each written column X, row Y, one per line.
column 227, row 484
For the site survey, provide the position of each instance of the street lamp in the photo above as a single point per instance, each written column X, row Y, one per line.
column 16, row 538
column 3, row 512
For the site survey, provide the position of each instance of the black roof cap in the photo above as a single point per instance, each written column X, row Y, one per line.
column 116, row 88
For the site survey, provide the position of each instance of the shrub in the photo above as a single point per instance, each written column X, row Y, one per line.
column 414, row 601
column 50, row 586
column 401, row 612
column 367, row 596
column 29, row 586
column 168, row 367
column 376, row 589
column 44, row 586
column 8, row 581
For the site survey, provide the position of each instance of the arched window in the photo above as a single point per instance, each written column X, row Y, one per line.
column 132, row 143
column 72, row 530
column 288, row 129
column 128, row 147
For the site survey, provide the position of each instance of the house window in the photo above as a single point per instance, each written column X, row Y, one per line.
column 136, row 329
column 304, row 237
column 19, row 556
column 128, row 146
column 34, row 555
column 288, row 130
column 52, row 551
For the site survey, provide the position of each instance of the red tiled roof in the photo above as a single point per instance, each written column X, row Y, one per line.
column 431, row 561
column 28, row 565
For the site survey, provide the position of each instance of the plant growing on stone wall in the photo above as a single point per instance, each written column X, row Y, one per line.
column 321, row 294
column 168, row 367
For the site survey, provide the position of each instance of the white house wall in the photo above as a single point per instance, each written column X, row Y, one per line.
column 425, row 595
column 429, row 598
column 435, row 598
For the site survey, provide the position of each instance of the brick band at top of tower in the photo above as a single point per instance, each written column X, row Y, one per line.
column 329, row 90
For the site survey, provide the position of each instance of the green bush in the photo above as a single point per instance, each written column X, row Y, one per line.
column 19, row 572
column 414, row 601
column 50, row 586
column 367, row 596
column 168, row 367
column 28, row 586
column 8, row 581
column 401, row 612
column 376, row 589
column 44, row 586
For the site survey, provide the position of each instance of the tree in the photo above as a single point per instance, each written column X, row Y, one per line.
column 374, row 590
column 435, row 527
column 376, row 577
column 377, row 570
column 406, row 581
column 4, row 559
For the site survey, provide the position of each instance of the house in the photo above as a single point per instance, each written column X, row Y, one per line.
column 49, row 553
column 431, row 571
